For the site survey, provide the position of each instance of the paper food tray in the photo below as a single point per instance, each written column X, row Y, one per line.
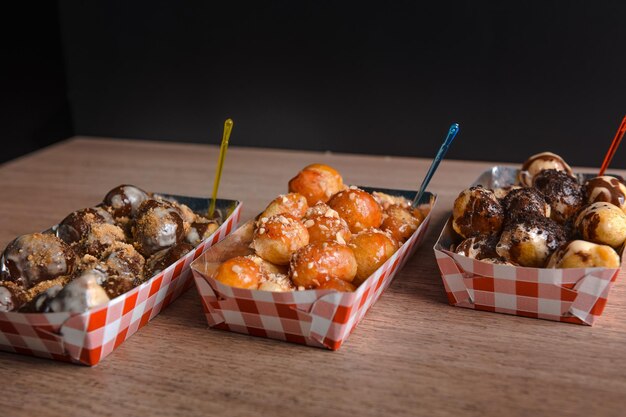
column 88, row 337
column 573, row 295
column 320, row 318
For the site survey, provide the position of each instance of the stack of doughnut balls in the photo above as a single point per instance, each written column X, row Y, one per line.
column 321, row 235
column 547, row 220
column 98, row 253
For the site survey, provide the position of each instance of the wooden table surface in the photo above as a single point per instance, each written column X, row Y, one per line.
column 413, row 354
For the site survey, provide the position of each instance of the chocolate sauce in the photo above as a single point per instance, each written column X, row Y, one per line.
column 606, row 189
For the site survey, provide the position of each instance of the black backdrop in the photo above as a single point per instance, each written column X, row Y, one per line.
column 365, row 77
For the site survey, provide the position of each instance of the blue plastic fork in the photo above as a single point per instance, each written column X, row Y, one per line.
column 452, row 132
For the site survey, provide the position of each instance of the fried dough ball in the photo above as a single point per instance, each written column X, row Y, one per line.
column 239, row 272
column 77, row 225
column 293, row 204
column 101, row 237
column 124, row 200
column 324, row 224
column 275, row 277
column 166, row 257
column 479, row 247
column 540, row 162
column 525, row 201
column 185, row 212
column 606, row 188
column 79, row 295
column 337, row 285
column 371, row 249
column 399, row 222
column 602, row 223
column 123, row 260
column 113, row 283
column 476, row 212
column 200, row 230
column 316, row 182
column 158, row 225
column 562, row 192
column 358, row 208
column 319, row 262
column 583, row 254
column 529, row 240
column 37, row 257
column 278, row 237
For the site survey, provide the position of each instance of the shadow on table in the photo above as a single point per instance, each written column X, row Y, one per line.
column 420, row 278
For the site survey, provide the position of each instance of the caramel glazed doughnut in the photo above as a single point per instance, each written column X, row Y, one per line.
column 321, row 235
column 550, row 221
column 98, row 253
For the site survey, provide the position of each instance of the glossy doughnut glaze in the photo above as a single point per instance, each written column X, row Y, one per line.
column 606, row 189
column 477, row 211
column 562, row 192
column 358, row 208
column 539, row 162
column 319, row 262
column 316, row 182
column 37, row 257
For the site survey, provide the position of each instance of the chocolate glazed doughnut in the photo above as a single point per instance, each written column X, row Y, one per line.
column 78, row 223
column 529, row 240
column 606, row 189
column 36, row 257
column 525, row 201
column 539, row 162
column 563, row 193
column 477, row 212
column 124, row 200
column 158, row 226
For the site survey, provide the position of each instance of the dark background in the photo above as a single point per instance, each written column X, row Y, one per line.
column 362, row 77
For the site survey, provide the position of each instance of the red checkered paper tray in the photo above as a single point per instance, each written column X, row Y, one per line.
column 573, row 295
column 88, row 337
column 320, row 318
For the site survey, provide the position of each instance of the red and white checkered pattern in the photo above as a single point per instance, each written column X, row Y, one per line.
column 320, row 318
column 573, row 295
column 89, row 337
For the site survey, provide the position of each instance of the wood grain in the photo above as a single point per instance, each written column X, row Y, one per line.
column 412, row 355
